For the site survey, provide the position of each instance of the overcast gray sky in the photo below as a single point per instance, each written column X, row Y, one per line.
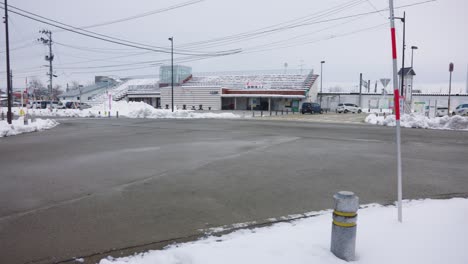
column 349, row 46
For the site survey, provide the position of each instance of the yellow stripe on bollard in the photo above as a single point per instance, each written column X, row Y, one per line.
column 345, row 214
column 344, row 224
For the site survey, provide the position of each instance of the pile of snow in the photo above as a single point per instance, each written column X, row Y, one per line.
column 423, row 237
column 126, row 109
column 18, row 127
column 420, row 121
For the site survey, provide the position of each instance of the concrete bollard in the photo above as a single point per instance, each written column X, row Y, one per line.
column 281, row 111
column 343, row 239
column 117, row 114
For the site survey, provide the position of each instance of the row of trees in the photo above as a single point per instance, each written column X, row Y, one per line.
column 37, row 89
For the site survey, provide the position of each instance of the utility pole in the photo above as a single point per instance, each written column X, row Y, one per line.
column 8, row 70
column 50, row 58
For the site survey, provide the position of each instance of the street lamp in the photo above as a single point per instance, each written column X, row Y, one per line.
column 450, row 86
column 321, row 79
column 403, row 20
column 412, row 50
column 172, row 72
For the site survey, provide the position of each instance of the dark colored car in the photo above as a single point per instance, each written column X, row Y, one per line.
column 311, row 108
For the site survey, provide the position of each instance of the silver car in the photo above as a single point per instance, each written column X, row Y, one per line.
column 461, row 110
column 347, row 107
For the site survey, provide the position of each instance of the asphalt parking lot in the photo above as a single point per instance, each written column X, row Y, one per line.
column 97, row 185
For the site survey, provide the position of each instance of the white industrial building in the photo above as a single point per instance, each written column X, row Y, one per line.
column 236, row 91
column 247, row 91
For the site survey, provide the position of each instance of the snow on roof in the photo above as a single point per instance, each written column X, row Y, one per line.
column 255, row 81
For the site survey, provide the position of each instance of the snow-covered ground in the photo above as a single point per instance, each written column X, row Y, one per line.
column 125, row 109
column 433, row 231
column 18, row 127
column 420, row 121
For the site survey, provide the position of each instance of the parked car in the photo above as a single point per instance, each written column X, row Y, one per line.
column 76, row 105
column 442, row 111
column 311, row 108
column 461, row 110
column 56, row 104
column 347, row 107
column 37, row 104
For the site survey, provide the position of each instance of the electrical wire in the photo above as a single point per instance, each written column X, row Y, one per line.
column 143, row 14
column 118, row 41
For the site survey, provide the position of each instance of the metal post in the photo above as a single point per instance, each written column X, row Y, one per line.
column 397, row 109
column 343, row 238
column 360, row 89
column 403, row 55
column 450, row 86
column 172, row 72
column 412, row 54
column 8, row 70
column 321, row 84
column 269, row 105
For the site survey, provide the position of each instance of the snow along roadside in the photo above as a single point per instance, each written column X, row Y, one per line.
column 129, row 110
column 433, row 231
column 420, row 121
column 17, row 127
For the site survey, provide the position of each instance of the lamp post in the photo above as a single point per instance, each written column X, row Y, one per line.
column 403, row 20
column 172, row 72
column 412, row 50
column 450, row 86
column 321, row 79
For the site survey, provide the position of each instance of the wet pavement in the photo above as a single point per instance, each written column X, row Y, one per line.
column 94, row 185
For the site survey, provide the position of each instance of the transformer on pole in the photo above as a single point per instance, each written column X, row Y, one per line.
column 50, row 58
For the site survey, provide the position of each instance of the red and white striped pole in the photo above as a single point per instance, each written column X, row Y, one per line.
column 397, row 109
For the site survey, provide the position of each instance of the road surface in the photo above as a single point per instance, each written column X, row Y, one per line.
column 94, row 185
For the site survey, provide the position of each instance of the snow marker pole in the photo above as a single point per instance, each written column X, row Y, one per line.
column 397, row 109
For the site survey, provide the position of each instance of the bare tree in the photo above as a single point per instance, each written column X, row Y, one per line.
column 57, row 91
column 37, row 89
column 74, row 85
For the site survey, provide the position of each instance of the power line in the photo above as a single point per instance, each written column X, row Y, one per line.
column 143, row 14
column 276, row 27
column 304, row 21
column 110, row 39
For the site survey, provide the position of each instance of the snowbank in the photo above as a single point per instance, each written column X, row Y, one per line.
column 126, row 109
column 17, row 127
column 421, row 121
column 423, row 237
